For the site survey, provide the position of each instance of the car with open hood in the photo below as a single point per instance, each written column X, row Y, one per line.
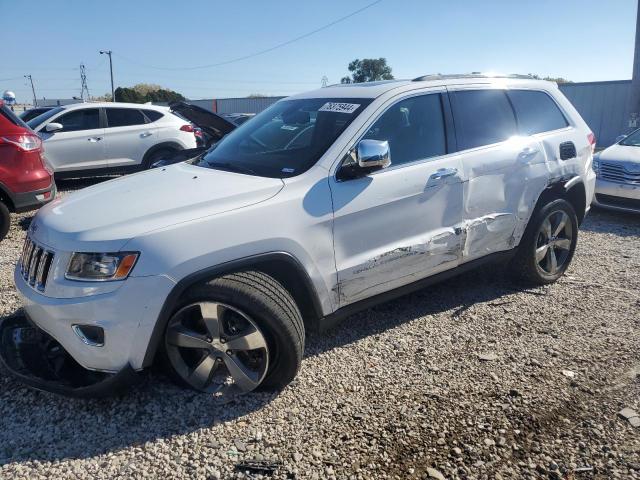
column 325, row 203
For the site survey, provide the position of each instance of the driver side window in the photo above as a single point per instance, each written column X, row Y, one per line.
column 414, row 128
column 76, row 120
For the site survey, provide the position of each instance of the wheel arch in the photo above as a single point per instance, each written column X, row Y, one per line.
column 5, row 197
column 571, row 189
column 161, row 146
column 282, row 266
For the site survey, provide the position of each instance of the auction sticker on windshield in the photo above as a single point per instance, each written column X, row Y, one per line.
column 339, row 107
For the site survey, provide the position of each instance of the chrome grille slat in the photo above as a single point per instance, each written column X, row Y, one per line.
column 615, row 172
column 35, row 263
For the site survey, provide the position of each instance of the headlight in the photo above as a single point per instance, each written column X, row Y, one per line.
column 100, row 267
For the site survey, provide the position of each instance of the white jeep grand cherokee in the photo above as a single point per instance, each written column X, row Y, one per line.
column 325, row 203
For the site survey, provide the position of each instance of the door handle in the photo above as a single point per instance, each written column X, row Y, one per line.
column 528, row 152
column 94, row 139
column 444, row 173
column 145, row 134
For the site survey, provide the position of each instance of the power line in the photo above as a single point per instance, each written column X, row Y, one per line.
column 261, row 52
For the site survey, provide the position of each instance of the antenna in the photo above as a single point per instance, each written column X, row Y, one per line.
column 83, row 88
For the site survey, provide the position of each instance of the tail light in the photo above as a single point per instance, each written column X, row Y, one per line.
column 592, row 141
column 25, row 143
column 187, row 128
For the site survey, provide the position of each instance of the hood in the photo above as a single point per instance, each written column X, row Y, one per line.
column 213, row 124
column 621, row 153
column 105, row 216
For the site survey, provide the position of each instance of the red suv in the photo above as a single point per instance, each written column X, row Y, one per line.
column 26, row 182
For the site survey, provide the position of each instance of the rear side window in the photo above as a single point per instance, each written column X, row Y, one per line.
column 414, row 129
column 482, row 117
column 124, row 117
column 536, row 112
column 153, row 115
column 86, row 119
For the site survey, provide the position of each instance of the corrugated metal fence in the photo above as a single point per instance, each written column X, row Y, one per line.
column 603, row 105
column 237, row 105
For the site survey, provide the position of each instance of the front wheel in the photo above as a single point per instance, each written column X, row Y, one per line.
column 5, row 220
column 548, row 244
column 235, row 334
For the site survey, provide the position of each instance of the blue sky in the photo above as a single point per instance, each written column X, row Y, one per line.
column 583, row 40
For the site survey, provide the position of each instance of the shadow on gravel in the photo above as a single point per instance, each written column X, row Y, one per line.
column 620, row 224
column 44, row 427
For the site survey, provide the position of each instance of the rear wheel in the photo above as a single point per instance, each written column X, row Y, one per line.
column 548, row 244
column 5, row 220
column 235, row 334
column 155, row 156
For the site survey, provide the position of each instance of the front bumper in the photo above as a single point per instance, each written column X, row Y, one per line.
column 126, row 314
column 37, row 360
column 617, row 196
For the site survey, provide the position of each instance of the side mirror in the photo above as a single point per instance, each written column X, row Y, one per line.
column 53, row 127
column 619, row 138
column 373, row 155
column 369, row 156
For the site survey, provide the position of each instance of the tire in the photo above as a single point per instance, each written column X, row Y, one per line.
column 5, row 220
column 261, row 305
column 153, row 157
column 529, row 265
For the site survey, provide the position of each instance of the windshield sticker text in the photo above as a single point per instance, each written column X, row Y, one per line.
column 339, row 107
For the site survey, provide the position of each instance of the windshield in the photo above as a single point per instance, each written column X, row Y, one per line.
column 632, row 140
column 286, row 139
column 35, row 122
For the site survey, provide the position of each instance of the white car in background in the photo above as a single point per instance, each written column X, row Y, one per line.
column 618, row 175
column 91, row 138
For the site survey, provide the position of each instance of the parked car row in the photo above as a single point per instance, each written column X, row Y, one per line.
column 324, row 204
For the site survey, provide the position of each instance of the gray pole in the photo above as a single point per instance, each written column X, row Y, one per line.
column 33, row 90
column 634, row 108
column 113, row 93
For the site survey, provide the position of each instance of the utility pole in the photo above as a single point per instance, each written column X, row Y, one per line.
column 33, row 90
column 634, row 110
column 325, row 81
column 83, row 84
column 113, row 93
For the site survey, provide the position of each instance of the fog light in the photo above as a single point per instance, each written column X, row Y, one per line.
column 90, row 334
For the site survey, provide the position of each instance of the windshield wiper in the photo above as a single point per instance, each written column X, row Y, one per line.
column 231, row 167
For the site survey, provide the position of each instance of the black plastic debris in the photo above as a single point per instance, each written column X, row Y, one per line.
column 36, row 359
column 262, row 467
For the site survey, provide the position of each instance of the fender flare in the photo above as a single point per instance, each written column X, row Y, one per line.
column 216, row 271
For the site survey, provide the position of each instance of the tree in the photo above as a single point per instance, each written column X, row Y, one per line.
column 368, row 70
column 256, row 95
column 144, row 92
column 558, row 80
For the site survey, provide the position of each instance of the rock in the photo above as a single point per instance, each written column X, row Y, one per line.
column 456, row 451
column 568, row 373
column 441, row 441
column 240, row 445
column 487, row 357
column 627, row 413
column 489, row 442
column 635, row 421
column 433, row 473
column 297, row 457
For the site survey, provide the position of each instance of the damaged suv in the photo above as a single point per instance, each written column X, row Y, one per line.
column 323, row 204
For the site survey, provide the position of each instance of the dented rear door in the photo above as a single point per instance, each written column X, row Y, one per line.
column 505, row 172
column 400, row 224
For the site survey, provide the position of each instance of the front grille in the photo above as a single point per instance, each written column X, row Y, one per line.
column 35, row 264
column 630, row 203
column 617, row 172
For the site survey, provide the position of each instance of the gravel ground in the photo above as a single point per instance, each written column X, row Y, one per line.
column 472, row 378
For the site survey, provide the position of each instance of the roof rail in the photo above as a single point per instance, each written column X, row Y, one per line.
column 440, row 76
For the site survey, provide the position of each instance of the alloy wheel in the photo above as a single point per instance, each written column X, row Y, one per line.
column 217, row 348
column 553, row 246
